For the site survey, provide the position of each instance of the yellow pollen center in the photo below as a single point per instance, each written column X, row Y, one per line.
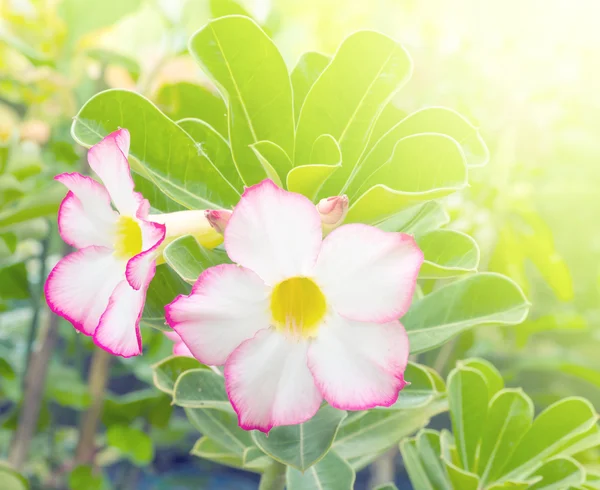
column 128, row 238
column 298, row 306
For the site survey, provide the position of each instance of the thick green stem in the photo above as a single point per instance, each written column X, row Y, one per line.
column 273, row 478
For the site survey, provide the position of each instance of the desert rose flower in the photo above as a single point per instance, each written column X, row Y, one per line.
column 299, row 318
column 101, row 288
column 179, row 348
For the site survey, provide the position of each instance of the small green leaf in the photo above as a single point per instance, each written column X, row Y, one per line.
column 428, row 445
column 460, row 478
column 274, row 159
column 166, row 372
column 44, row 202
column 417, row 220
column 6, row 370
column 163, row 289
column 421, row 168
column 83, row 476
column 480, row 299
column 421, row 391
column 250, row 73
column 12, row 479
column 189, row 259
column 492, row 376
column 331, row 473
column 13, row 281
column 558, row 474
column 206, row 448
column 448, row 253
column 552, row 429
column 301, row 446
column 183, row 100
column 325, row 159
column 304, row 75
column 133, row 444
column 509, row 417
column 468, row 401
column 201, row 388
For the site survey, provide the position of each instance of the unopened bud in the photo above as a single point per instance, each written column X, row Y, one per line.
column 333, row 211
column 218, row 219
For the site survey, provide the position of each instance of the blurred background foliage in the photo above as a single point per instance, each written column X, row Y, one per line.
column 524, row 72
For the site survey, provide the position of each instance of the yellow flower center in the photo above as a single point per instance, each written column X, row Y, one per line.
column 129, row 238
column 298, row 306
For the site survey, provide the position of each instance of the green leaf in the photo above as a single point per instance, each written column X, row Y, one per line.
column 201, row 388
column 460, row 478
column 13, row 281
column 183, row 100
column 206, row 448
column 376, row 66
column 509, row 417
column 559, row 473
column 492, row 376
column 438, row 120
column 386, row 486
column 214, row 147
column 448, row 253
column 83, row 476
column 189, row 259
column 274, row 160
column 250, row 73
column 480, row 299
column 12, row 479
column 414, row 464
column 331, row 473
column 163, row 289
column 561, row 422
column 164, row 153
column 166, row 372
column 310, row 65
column 6, row 370
column 510, row 485
column 468, row 401
column 133, row 444
column 421, row 391
column 222, row 427
column 325, row 159
column 44, row 202
column 417, row 220
column 301, row 446
column 421, row 168
column 428, row 445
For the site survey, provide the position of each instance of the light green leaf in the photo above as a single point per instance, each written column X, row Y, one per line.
column 251, row 74
column 461, row 478
column 509, row 417
column 304, row 75
column 166, row 372
column 84, row 476
column 492, row 376
column 561, row 422
column 331, row 473
column 428, row 446
column 201, row 388
column 510, row 485
column 206, row 448
column 133, row 444
column 214, row 147
column 274, row 159
column 183, row 100
column 558, row 474
column 44, row 202
column 438, row 120
column 421, row 168
column 12, row 479
column 448, row 253
column 417, row 220
column 163, row 289
column 480, row 299
column 584, row 441
column 420, row 392
column 325, row 158
column 189, row 259
column 302, row 445
column 468, row 401
column 222, row 427
column 377, row 67
column 164, row 153
column 13, row 281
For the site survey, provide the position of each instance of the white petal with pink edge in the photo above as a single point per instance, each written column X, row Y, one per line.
column 367, row 274
column 140, row 268
column 275, row 233
column 85, row 216
column 269, row 384
column 80, row 285
column 227, row 305
column 358, row 366
column 109, row 160
column 119, row 329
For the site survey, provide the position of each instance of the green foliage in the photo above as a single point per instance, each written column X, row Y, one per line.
column 132, row 443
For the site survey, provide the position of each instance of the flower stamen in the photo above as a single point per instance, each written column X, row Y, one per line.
column 128, row 240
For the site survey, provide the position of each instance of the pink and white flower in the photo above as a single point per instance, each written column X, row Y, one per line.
column 179, row 347
column 101, row 288
column 300, row 318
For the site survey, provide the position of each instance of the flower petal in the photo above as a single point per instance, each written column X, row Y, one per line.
column 140, row 268
column 85, row 216
column 80, row 285
column 275, row 233
column 357, row 365
column 368, row 274
column 269, row 384
column 227, row 305
column 109, row 160
column 119, row 329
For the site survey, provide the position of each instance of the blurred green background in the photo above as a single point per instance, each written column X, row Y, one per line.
column 525, row 72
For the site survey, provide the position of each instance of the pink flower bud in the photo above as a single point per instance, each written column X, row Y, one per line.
column 333, row 211
column 218, row 219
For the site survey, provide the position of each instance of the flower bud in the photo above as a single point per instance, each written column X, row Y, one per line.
column 333, row 211
column 218, row 219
